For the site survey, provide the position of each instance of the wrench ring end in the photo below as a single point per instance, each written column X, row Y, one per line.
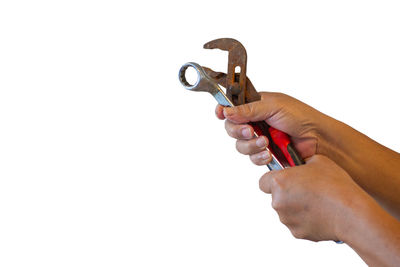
column 182, row 75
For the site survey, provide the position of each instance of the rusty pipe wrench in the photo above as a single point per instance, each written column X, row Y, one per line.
column 205, row 83
column 240, row 91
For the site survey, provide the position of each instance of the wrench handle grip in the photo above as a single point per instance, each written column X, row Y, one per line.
column 280, row 144
column 285, row 145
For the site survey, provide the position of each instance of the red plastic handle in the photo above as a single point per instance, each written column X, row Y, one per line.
column 282, row 140
column 280, row 144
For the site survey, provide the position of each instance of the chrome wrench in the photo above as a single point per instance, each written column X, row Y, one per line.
column 204, row 83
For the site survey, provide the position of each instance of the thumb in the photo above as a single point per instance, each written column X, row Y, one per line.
column 251, row 112
column 270, row 179
column 282, row 178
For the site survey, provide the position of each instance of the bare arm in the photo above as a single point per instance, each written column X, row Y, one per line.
column 324, row 199
column 319, row 201
column 374, row 167
column 371, row 232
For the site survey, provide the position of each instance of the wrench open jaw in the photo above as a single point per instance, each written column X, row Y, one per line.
column 236, row 82
column 220, row 78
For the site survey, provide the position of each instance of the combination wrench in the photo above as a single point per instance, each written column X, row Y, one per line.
column 205, row 83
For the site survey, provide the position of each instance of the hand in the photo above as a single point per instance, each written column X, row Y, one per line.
column 372, row 166
column 313, row 200
column 319, row 200
column 282, row 112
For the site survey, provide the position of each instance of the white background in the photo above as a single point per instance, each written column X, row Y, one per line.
column 105, row 160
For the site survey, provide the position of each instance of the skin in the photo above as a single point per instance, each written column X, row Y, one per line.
column 335, row 195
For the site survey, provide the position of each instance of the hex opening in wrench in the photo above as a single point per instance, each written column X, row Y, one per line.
column 204, row 84
column 182, row 76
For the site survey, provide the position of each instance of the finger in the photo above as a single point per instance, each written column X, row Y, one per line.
column 252, row 146
column 239, row 131
column 261, row 158
column 285, row 178
column 273, row 180
column 255, row 111
column 219, row 112
column 265, row 182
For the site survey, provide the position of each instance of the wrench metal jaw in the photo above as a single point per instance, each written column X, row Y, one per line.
column 237, row 61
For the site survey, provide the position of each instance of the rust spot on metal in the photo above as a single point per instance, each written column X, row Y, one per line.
column 239, row 89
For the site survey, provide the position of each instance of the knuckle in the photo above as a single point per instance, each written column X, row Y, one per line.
column 280, row 180
column 261, row 183
column 229, row 129
column 219, row 112
column 284, row 219
column 266, row 141
column 275, row 96
column 254, row 158
column 276, row 204
column 318, row 157
column 298, row 233
column 241, row 147
column 246, row 109
column 275, row 182
column 281, row 96
column 238, row 146
column 278, row 185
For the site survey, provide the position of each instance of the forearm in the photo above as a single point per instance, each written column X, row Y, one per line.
column 374, row 167
column 371, row 232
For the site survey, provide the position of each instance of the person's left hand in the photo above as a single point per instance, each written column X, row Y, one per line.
column 313, row 200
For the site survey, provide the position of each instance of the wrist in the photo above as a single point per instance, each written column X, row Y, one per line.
column 332, row 136
column 356, row 207
column 343, row 145
column 361, row 214
column 370, row 231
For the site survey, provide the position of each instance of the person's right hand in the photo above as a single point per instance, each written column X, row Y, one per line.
column 317, row 200
column 285, row 113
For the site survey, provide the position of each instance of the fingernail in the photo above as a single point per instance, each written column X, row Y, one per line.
column 261, row 142
column 246, row 132
column 264, row 155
